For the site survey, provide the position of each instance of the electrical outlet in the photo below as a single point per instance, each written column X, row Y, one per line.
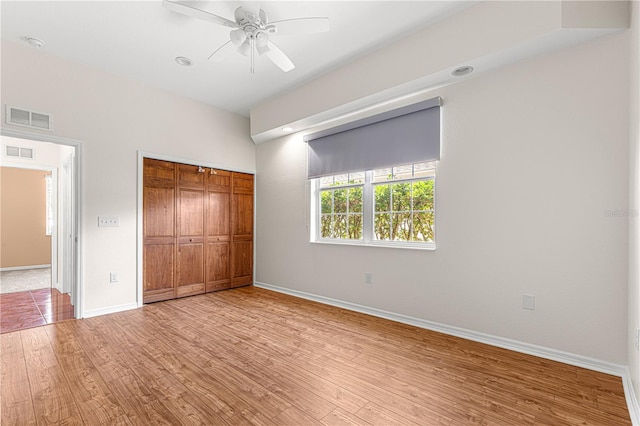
column 368, row 278
column 529, row 302
column 114, row 277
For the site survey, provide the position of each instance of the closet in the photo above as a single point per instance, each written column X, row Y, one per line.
column 197, row 230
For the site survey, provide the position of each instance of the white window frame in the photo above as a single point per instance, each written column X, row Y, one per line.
column 367, row 215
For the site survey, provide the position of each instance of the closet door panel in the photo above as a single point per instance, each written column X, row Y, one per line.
column 190, row 269
column 218, row 267
column 243, row 214
column 159, row 227
column 218, row 215
column 242, row 230
column 190, row 238
column 191, row 213
column 242, row 263
column 159, row 212
column 158, row 272
column 219, row 181
column 218, row 230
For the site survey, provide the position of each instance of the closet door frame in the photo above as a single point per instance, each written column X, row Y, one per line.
column 140, row 191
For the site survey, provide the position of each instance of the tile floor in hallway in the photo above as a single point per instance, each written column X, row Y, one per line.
column 33, row 308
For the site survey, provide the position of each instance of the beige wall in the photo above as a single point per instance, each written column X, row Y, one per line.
column 23, row 216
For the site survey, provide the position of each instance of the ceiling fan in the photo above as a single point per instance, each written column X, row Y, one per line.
column 251, row 30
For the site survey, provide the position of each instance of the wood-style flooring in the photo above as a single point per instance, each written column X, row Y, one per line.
column 26, row 309
column 251, row 356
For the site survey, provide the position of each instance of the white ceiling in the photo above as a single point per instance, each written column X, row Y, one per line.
column 140, row 39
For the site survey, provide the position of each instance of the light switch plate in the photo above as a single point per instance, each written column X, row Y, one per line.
column 108, row 221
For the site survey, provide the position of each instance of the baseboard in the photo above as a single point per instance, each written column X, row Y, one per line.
column 514, row 345
column 22, row 268
column 630, row 395
column 108, row 310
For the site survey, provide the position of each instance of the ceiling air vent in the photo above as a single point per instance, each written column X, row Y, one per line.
column 23, row 117
column 18, row 152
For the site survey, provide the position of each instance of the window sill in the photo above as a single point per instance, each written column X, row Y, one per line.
column 384, row 244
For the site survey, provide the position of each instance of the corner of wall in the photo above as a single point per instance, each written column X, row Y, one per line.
column 632, row 388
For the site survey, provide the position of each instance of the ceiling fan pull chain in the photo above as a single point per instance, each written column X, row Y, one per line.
column 253, row 41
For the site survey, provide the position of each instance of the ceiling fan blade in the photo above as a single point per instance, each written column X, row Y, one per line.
column 278, row 57
column 218, row 57
column 193, row 12
column 300, row 26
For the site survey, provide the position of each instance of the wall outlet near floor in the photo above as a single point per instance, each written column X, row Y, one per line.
column 529, row 302
column 114, row 277
column 368, row 279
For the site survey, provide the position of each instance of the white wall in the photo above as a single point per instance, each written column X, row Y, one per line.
column 634, row 199
column 114, row 118
column 533, row 156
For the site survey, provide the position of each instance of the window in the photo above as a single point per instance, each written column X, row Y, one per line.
column 391, row 206
column 341, row 206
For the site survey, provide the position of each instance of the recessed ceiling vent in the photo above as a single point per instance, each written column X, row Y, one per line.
column 23, row 117
column 19, row 152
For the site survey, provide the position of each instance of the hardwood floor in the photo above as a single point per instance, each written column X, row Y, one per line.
column 251, row 356
column 26, row 309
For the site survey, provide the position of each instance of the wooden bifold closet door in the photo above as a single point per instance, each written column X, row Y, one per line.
column 197, row 230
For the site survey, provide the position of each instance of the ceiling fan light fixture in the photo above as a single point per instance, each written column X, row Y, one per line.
column 245, row 48
column 262, row 49
column 238, row 36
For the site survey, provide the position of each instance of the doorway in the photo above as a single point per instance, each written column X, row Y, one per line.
column 50, row 291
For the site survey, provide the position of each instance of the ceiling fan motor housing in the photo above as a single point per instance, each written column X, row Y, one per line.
column 252, row 24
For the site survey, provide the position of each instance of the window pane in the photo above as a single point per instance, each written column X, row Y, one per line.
column 340, row 226
column 401, row 196
column 340, row 201
column 401, row 226
column 357, row 177
column 403, row 172
column 355, row 200
column 326, row 201
column 341, row 179
column 355, row 226
column 382, row 175
column 423, row 226
column 382, row 226
column 424, row 169
column 326, row 181
column 423, row 195
column 325, row 226
column 383, row 198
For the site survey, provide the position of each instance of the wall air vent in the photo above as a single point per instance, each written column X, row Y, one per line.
column 19, row 152
column 23, row 117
